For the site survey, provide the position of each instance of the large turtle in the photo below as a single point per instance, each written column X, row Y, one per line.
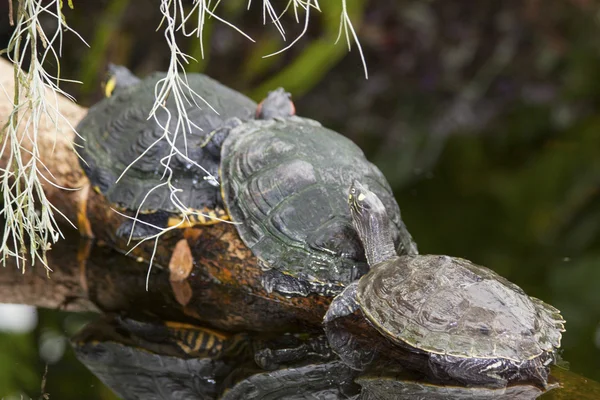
column 463, row 321
column 282, row 181
column 117, row 133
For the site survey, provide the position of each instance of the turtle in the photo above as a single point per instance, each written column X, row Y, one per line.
column 117, row 132
column 282, row 179
column 458, row 320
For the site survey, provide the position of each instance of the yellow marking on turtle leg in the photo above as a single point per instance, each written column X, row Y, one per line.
column 198, row 217
column 186, row 349
column 226, row 210
column 190, row 222
column 191, row 337
column 183, row 326
column 197, row 343
column 210, row 342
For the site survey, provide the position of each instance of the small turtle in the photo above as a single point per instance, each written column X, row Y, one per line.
column 465, row 321
column 117, row 133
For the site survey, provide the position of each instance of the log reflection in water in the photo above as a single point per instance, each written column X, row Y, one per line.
column 144, row 365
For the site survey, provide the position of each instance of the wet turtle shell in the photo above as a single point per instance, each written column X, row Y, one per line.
column 116, row 132
column 451, row 306
column 284, row 180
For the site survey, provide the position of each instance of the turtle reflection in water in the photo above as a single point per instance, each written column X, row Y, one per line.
column 139, row 360
column 293, row 367
column 387, row 384
column 443, row 315
column 166, row 361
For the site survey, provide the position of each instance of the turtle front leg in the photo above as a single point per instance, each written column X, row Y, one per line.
column 343, row 315
column 344, row 304
column 215, row 139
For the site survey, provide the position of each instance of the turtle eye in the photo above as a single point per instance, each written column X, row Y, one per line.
column 351, row 194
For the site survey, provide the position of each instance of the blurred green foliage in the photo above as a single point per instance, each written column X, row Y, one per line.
column 18, row 358
column 24, row 357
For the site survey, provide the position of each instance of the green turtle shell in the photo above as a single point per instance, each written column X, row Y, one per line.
column 116, row 131
column 284, row 180
column 450, row 306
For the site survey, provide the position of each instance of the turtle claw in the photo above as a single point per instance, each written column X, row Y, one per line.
column 343, row 304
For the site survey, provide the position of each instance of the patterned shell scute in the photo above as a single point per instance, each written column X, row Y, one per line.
column 117, row 131
column 287, row 181
column 447, row 305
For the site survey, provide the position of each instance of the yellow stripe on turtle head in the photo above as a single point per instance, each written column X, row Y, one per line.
column 109, row 85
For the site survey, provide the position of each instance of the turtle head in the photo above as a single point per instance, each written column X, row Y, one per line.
column 364, row 202
column 118, row 77
column 278, row 103
column 371, row 221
